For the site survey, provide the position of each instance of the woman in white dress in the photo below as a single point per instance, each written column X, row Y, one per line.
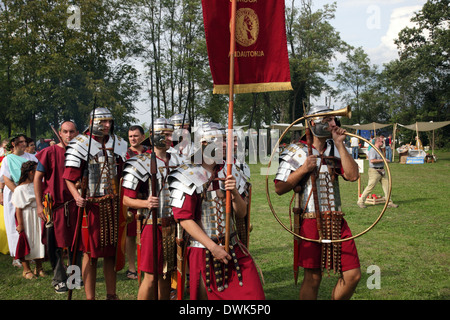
column 9, row 175
column 29, row 246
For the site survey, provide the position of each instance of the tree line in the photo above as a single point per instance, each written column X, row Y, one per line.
column 58, row 58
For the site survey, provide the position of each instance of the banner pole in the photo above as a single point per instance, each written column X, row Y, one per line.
column 230, row 140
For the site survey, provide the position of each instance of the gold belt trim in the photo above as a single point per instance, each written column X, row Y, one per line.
column 308, row 215
column 162, row 221
column 312, row 215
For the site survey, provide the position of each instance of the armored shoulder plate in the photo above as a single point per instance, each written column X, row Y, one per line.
column 176, row 158
column 244, row 168
column 120, row 146
column 138, row 168
column 186, row 179
column 77, row 150
column 239, row 175
column 295, row 155
column 78, row 147
column 292, row 158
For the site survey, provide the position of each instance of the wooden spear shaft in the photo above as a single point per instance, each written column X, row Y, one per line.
column 230, row 141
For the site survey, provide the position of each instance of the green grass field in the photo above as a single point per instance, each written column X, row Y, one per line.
column 409, row 245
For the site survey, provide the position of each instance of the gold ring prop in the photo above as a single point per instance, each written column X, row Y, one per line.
column 341, row 112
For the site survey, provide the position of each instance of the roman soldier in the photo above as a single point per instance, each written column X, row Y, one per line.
column 103, row 154
column 138, row 194
column 198, row 202
column 311, row 168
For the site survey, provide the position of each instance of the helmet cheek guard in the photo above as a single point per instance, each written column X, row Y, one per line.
column 209, row 137
column 160, row 125
column 99, row 115
column 320, row 128
column 159, row 140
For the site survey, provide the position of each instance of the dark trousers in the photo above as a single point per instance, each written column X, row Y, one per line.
column 59, row 267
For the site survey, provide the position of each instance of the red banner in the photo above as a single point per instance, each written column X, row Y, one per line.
column 261, row 56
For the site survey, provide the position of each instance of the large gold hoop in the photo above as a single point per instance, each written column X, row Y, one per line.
column 327, row 240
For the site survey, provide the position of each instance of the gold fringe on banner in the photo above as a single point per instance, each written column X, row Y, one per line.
column 253, row 87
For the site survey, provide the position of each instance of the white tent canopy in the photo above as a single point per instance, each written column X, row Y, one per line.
column 426, row 126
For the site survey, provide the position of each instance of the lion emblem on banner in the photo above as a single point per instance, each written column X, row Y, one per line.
column 247, row 27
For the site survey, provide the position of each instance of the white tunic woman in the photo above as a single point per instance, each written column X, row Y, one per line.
column 24, row 198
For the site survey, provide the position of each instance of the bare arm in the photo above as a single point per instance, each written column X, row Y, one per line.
column 19, row 218
column 197, row 232
column 2, row 185
column 149, row 203
column 38, row 194
column 75, row 194
column 9, row 183
column 350, row 167
column 238, row 203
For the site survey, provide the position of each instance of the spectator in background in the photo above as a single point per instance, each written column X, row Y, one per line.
column 3, row 150
column 42, row 144
column 376, row 174
column 28, row 223
column 388, row 143
column 382, row 147
column 31, row 146
column 62, row 220
column 136, row 136
column 354, row 143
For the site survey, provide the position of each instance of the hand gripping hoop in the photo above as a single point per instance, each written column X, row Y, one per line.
column 326, row 240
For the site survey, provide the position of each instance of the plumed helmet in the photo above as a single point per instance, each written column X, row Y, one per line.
column 98, row 115
column 320, row 128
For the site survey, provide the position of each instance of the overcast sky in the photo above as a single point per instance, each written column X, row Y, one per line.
column 373, row 24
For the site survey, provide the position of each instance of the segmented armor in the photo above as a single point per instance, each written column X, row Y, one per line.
column 136, row 171
column 103, row 178
column 188, row 178
column 329, row 198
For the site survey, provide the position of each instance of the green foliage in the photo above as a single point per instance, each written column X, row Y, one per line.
column 312, row 43
column 49, row 69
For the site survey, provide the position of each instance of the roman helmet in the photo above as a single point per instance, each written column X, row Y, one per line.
column 160, row 125
column 320, row 128
column 99, row 115
column 207, row 138
column 177, row 120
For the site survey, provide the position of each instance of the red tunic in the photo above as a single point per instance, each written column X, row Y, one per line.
column 146, row 258
column 310, row 253
column 65, row 210
column 250, row 290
